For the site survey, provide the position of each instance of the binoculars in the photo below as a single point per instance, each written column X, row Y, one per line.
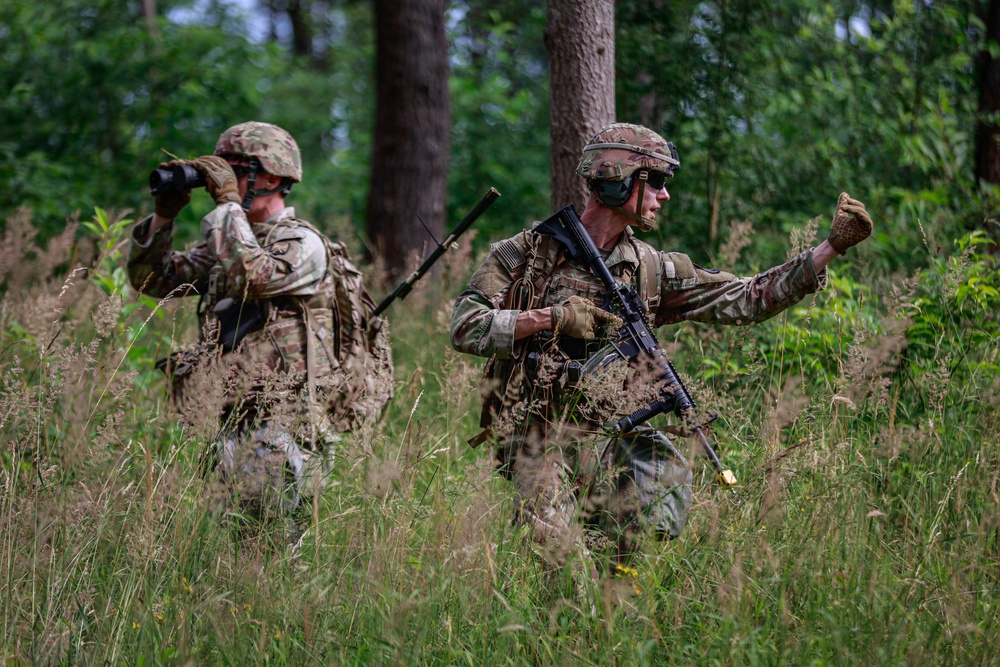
column 178, row 178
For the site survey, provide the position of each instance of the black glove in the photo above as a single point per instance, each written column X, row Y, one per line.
column 169, row 204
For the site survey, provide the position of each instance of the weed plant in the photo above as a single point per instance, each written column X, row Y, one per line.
column 862, row 424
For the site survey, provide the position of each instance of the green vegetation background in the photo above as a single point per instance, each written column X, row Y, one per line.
column 862, row 423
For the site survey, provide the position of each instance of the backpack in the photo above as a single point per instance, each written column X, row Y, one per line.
column 353, row 347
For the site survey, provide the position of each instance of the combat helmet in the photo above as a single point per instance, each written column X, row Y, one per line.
column 266, row 147
column 619, row 156
column 273, row 147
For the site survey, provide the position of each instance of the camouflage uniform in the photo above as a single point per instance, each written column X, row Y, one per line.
column 548, row 446
column 302, row 374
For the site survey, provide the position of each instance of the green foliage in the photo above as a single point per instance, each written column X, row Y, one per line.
column 110, row 273
column 500, row 115
column 123, row 304
column 777, row 109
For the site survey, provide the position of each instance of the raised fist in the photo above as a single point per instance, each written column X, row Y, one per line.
column 851, row 224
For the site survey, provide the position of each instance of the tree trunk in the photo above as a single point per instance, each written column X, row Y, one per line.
column 149, row 12
column 303, row 31
column 412, row 131
column 302, row 37
column 988, row 131
column 580, row 38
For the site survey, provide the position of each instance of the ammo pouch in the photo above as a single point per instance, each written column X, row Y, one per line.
column 559, row 375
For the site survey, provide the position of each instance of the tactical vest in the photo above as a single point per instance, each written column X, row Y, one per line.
column 531, row 260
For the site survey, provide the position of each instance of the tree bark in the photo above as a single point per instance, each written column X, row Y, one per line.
column 988, row 130
column 580, row 38
column 412, row 131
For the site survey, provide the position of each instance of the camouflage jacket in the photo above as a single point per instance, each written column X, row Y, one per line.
column 307, row 295
column 291, row 262
column 672, row 287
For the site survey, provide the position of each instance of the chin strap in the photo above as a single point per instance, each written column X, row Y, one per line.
column 251, row 185
column 253, row 191
column 644, row 224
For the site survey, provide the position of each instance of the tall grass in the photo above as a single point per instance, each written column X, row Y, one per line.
column 862, row 425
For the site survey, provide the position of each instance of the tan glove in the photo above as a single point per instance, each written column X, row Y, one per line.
column 851, row 224
column 577, row 317
column 220, row 180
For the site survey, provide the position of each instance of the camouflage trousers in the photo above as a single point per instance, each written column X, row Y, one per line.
column 271, row 471
column 595, row 492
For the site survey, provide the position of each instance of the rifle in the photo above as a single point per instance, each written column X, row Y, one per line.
column 404, row 287
column 633, row 340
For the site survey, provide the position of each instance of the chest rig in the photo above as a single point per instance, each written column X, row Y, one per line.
column 541, row 278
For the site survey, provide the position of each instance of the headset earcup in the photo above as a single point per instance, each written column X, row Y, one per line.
column 613, row 193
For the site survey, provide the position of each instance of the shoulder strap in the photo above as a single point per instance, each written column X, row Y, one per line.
column 547, row 256
column 648, row 283
column 537, row 258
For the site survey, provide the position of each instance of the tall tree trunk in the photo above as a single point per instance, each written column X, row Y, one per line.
column 580, row 38
column 302, row 34
column 149, row 12
column 988, row 132
column 300, row 17
column 412, row 130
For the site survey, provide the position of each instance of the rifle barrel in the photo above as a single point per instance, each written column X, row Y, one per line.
column 404, row 287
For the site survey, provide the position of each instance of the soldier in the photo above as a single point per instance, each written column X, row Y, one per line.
column 286, row 331
column 531, row 312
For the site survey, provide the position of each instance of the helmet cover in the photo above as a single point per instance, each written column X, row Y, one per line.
column 273, row 147
column 619, row 150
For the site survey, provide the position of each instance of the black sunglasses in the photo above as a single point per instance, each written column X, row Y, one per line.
column 656, row 179
column 240, row 170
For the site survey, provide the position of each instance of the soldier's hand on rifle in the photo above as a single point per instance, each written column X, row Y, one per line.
column 851, row 224
column 220, row 179
column 577, row 317
column 168, row 204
